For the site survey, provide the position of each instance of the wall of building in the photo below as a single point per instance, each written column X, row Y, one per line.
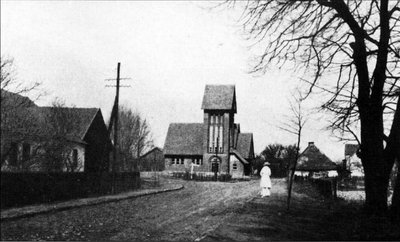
column 239, row 172
column 186, row 166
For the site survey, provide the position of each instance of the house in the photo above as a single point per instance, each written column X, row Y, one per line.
column 37, row 137
column 352, row 161
column 153, row 160
column 216, row 144
column 312, row 162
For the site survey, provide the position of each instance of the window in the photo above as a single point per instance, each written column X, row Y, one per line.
column 234, row 166
column 182, row 161
column 13, row 153
column 75, row 157
column 26, row 151
column 216, row 133
column 197, row 161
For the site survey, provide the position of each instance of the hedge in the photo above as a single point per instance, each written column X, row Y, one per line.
column 18, row 189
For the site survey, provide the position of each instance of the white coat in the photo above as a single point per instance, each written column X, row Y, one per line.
column 265, row 177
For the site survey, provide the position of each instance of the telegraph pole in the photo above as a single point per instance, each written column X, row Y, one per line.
column 114, row 121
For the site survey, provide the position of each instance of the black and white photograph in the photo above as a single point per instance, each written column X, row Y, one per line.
column 218, row 120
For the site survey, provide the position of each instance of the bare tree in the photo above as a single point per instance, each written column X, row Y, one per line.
column 356, row 41
column 17, row 119
column 55, row 150
column 294, row 125
column 134, row 138
column 12, row 89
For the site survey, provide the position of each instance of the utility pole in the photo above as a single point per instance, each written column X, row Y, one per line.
column 114, row 121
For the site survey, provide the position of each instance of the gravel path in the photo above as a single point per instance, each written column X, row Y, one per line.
column 187, row 214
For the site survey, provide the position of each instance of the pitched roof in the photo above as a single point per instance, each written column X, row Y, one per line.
column 155, row 149
column 312, row 159
column 184, row 139
column 76, row 121
column 219, row 97
column 245, row 145
column 350, row 149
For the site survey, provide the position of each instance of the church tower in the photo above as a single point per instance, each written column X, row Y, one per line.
column 219, row 106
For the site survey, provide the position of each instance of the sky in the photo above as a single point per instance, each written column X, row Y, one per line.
column 170, row 50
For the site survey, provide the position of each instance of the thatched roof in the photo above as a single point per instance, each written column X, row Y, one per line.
column 184, row 139
column 219, row 97
column 312, row 159
column 350, row 149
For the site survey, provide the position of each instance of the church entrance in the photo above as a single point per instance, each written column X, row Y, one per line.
column 215, row 164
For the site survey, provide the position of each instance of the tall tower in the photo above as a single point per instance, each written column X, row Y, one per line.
column 219, row 105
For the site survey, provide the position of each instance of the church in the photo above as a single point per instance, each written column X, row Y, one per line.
column 216, row 144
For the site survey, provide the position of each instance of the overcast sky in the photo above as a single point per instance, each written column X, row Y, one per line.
column 171, row 50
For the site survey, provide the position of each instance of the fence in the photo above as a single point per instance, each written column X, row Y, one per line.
column 202, row 176
column 325, row 186
column 18, row 189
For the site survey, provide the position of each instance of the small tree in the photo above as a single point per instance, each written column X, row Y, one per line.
column 294, row 125
column 56, row 147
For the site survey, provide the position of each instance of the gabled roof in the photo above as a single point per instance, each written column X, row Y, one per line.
column 245, row 145
column 155, row 149
column 350, row 149
column 184, row 139
column 77, row 120
column 219, row 97
column 312, row 159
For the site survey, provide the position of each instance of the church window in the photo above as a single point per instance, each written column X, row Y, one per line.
column 216, row 133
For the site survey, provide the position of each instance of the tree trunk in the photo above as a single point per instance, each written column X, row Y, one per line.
column 395, row 208
column 374, row 163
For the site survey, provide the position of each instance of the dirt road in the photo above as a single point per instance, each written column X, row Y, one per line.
column 188, row 214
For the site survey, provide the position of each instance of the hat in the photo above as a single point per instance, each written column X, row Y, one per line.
column 267, row 163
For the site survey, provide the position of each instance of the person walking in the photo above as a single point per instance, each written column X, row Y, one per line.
column 265, row 182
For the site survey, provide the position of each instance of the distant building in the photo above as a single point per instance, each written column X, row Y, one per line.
column 352, row 161
column 216, row 145
column 312, row 162
column 27, row 136
column 153, row 160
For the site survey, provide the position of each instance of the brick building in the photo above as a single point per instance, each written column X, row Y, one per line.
column 214, row 145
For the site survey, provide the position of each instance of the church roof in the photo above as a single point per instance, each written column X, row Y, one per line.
column 312, row 159
column 219, row 97
column 245, row 145
column 184, row 139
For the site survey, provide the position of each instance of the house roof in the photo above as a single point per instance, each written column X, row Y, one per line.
column 184, row 139
column 245, row 145
column 312, row 159
column 15, row 100
column 219, row 97
column 350, row 149
column 76, row 121
column 151, row 151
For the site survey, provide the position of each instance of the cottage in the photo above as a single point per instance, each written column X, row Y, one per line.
column 312, row 162
column 216, row 145
column 352, row 161
column 77, row 136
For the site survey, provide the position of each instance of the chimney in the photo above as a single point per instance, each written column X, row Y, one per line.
column 311, row 143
